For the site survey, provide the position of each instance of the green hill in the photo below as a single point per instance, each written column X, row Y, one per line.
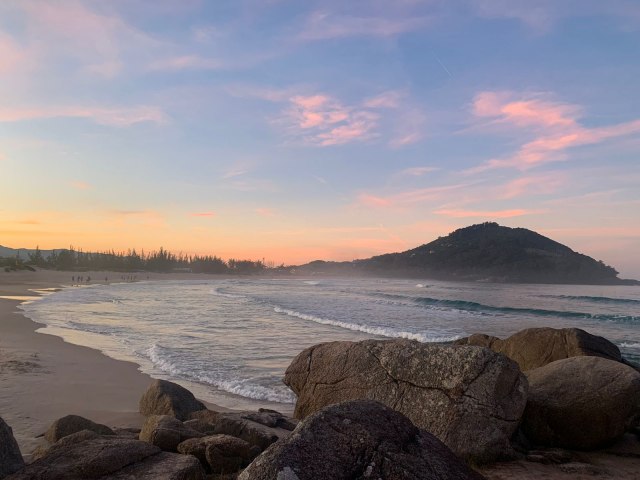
column 485, row 252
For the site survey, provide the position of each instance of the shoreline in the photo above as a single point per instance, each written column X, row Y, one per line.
column 43, row 377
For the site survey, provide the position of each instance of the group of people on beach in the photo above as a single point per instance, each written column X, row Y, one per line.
column 80, row 279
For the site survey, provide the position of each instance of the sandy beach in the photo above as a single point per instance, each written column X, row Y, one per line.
column 42, row 378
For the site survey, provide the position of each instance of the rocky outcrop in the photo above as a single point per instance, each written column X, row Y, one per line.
column 167, row 398
column 166, row 432
column 71, row 424
column 359, row 439
column 537, row 347
column 581, row 403
column 469, row 397
column 10, row 457
column 86, row 456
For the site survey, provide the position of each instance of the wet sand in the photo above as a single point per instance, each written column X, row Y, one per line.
column 42, row 378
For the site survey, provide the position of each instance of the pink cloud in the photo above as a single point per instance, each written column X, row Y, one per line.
column 203, row 214
column 554, row 125
column 324, row 26
column 324, row 121
column 533, row 111
column 407, row 198
column 111, row 116
column 486, row 213
column 537, row 184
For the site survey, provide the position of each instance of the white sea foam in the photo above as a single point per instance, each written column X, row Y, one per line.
column 630, row 344
column 311, row 282
column 381, row 331
column 243, row 387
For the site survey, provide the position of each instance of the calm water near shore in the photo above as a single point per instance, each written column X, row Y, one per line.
column 232, row 339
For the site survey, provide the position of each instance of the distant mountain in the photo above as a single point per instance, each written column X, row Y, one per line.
column 23, row 253
column 485, row 252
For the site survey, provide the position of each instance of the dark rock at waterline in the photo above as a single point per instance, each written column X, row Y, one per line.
column 83, row 456
column 469, row 397
column 358, row 439
column 537, row 347
column 168, row 398
column 166, row 432
column 10, row 458
column 71, row 424
column 581, row 403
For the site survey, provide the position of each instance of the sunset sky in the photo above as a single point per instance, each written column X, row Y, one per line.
column 296, row 130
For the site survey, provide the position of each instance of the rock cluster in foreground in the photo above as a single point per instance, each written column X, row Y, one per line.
column 471, row 398
column 382, row 410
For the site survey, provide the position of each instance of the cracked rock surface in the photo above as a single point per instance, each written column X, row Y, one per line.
column 359, row 439
column 470, row 397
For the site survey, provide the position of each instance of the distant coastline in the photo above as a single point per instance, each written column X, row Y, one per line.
column 484, row 252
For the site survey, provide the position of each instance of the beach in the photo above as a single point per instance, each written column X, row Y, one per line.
column 43, row 378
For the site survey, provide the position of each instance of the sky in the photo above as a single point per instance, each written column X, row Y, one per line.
column 299, row 130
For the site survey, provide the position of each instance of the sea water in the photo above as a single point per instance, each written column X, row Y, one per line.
column 230, row 340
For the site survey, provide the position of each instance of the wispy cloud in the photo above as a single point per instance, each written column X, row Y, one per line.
column 203, row 214
column 111, row 116
column 417, row 171
column 486, row 213
column 543, row 15
column 407, row 198
column 554, row 126
column 324, row 121
column 99, row 42
column 326, row 26
column 536, row 184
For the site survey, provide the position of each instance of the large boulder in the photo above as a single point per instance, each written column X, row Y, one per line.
column 536, row 347
column 10, row 458
column 359, row 439
column 167, row 398
column 71, row 424
column 581, row 403
column 469, row 397
column 83, row 456
column 166, row 432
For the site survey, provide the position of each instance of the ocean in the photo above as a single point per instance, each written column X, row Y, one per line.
column 230, row 340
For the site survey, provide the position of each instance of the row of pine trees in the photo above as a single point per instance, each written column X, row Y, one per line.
column 132, row 261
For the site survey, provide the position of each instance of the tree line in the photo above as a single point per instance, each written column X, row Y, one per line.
column 131, row 261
